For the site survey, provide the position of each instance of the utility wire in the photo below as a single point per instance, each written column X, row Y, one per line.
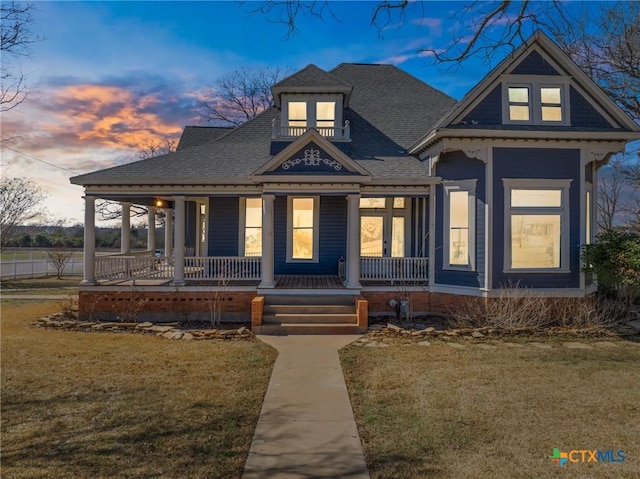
column 41, row 161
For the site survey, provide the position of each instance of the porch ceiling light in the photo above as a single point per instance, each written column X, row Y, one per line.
column 159, row 203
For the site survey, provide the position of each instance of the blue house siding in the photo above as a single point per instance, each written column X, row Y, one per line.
column 224, row 218
column 457, row 166
column 534, row 64
column 488, row 111
column 536, row 163
column 583, row 114
column 191, row 224
column 332, row 240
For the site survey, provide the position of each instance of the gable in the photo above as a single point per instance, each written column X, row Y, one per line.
column 534, row 64
column 311, row 159
column 311, row 156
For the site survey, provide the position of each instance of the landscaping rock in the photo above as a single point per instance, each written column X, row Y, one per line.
column 512, row 345
column 160, row 329
column 540, row 345
column 423, row 343
column 457, row 345
column 187, row 336
column 242, row 330
column 429, row 330
column 477, row 334
column 145, row 325
column 176, row 335
column 393, row 327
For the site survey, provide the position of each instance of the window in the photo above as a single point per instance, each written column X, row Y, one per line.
column 311, row 114
column 519, row 103
column 551, row 103
column 536, row 224
column 298, row 114
column 459, row 231
column 251, row 221
column 302, row 244
column 383, row 227
column 536, row 103
column 372, row 203
column 325, row 114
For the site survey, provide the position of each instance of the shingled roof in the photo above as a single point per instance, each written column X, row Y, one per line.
column 199, row 135
column 389, row 110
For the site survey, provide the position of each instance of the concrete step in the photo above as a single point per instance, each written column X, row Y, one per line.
column 308, row 309
column 302, row 328
column 318, row 318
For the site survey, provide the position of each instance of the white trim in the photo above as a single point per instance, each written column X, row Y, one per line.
column 432, row 235
column 563, row 211
column 488, row 222
column 311, row 100
column 316, row 230
column 469, row 186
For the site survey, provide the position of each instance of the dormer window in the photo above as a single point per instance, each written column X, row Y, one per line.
column 298, row 114
column 535, row 102
column 303, row 111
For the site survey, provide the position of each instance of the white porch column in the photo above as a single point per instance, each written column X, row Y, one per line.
column 353, row 242
column 89, row 240
column 178, row 264
column 125, row 234
column 266, row 270
column 151, row 229
column 168, row 232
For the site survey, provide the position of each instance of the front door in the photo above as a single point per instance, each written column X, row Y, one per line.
column 382, row 227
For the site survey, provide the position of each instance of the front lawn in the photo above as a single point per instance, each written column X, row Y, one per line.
column 102, row 405
column 440, row 412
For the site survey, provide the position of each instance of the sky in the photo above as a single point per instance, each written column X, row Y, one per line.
column 108, row 77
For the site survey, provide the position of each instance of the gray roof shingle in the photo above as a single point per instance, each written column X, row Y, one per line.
column 309, row 77
column 199, row 135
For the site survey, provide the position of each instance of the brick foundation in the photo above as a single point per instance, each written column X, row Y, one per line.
column 167, row 306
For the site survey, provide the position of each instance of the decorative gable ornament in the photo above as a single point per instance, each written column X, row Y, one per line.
column 311, row 158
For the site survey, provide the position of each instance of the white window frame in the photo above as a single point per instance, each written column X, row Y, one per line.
column 588, row 213
column 563, row 210
column 470, row 187
column 243, row 225
column 534, row 83
column 311, row 101
column 316, row 230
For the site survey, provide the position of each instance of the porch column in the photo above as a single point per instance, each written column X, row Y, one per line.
column 353, row 242
column 125, row 234
column 168, row 232
column 151, row 229
column 266, row 270
column 178, row 264
column 89, row 240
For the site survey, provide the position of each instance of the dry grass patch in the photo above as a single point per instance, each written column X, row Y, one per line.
column 439, row 412
column 44, row 285
column 83, row 405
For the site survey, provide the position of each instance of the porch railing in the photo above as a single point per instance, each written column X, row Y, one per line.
column 129, row 267
column 335, row 132
column 394, row 269
column 223, row 268
column 199, row 268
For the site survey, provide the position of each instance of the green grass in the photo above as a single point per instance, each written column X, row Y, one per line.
column 436, row 412
column 101, row 405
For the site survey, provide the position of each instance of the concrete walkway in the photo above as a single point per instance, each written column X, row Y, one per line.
column 306, row 427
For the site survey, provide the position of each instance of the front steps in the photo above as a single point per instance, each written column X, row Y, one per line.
column 309, row 314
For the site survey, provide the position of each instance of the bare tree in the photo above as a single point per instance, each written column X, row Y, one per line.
column 111, row 210
column 20, row 201
column 609, row 190
column 15, row 39
column 240, row 96
column 58, row 258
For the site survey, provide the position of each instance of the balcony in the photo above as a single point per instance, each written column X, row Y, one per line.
column 291, row 132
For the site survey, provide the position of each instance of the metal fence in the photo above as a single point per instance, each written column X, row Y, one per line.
column 14, row 267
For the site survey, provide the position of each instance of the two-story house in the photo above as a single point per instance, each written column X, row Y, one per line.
column 363, row 187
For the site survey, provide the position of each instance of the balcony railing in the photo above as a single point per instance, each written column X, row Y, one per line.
column 197, row 268
column 394, row 269
column 287, row 132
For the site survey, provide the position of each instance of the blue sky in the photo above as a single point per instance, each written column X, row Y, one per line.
column 108, row 76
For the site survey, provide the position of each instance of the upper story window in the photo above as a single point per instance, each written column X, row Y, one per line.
column 303, row 111
column 459, row 227
column 298, row 113
column 537, row 102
